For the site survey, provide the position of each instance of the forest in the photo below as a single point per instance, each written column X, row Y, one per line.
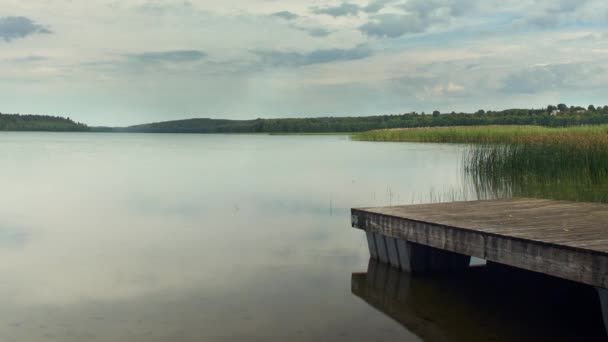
column 550, row 116
column 16, row 122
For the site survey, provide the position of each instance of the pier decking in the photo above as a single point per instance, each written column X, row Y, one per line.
column 559, row 238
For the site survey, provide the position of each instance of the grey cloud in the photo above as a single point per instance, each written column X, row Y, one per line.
column 538, row 79
column 542, row 21
column 376, row 5
column 155, row 7
column 19, row 27
column 344, row 9
column 591, row 37
column 439, row 8
column 313, row 31
column 286, row 15
column 318, row 32
column 349, row 9
column 177, row 56
column 567, row 6
column 556, row 13
column 394, row 25
column 295, row 59
column 420, row 16
column 415, row 82
column 28, row 59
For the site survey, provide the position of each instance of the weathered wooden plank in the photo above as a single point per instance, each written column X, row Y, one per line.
column 563, row 239
column 528, row 218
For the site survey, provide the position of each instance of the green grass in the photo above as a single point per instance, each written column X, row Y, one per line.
column 526, row 161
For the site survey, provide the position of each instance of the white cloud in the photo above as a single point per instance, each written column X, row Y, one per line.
column 118, row 62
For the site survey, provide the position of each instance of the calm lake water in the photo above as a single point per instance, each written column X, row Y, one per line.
column 125, row 237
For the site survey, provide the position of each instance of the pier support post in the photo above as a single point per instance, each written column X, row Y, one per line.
column 393, row 251
column 413, row 257
column 603, row 294
column 381, row 248
column 371, row 244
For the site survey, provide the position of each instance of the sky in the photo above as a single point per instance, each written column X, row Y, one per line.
column 122, row 62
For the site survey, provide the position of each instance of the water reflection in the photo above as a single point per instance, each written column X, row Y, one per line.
column 579, row 188
column 493, row 303
column 112, row 237
column 130, row 237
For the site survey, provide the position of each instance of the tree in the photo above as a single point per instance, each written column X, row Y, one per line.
column 436, row 113
column 591, row 108
column 551, row 108
column 562, row 107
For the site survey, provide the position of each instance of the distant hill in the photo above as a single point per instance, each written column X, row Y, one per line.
column 194, row 126
column 16, row 122
column 549, row 116
column 552, row 116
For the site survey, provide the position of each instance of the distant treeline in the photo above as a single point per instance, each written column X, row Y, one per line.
column 552, row 116
column 16, row 122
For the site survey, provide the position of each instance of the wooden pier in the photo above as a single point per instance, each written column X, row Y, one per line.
column 563, row 239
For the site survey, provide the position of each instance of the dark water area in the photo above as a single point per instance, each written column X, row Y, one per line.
column 484, row 303
column 127, row 237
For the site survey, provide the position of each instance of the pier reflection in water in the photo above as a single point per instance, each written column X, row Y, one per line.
column 487, row 303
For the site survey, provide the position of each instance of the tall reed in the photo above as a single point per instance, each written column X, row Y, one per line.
column 489, row 134
column 526, row 161
column 563, row 170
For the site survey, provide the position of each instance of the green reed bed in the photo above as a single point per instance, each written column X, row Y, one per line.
column 548, row 170
column 487, row 134
column 503, row 161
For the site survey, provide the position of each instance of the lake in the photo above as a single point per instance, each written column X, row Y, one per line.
column 133, row 237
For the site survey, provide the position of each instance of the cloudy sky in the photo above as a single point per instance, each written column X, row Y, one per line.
column 120, row 62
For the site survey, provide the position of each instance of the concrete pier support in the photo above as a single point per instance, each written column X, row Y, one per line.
column 603, row 294
column 371, row 244
column 412, row 257
column 393, row 251
column 381, row 248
